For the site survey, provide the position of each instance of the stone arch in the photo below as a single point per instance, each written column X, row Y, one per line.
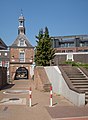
column 21, row 73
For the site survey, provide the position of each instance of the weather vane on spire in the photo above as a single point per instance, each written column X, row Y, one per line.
column 21, row 12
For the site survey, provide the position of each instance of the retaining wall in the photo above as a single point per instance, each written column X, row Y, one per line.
column 60, row 86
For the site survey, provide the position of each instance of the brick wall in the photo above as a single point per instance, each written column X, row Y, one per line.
column 81, row 58
column 15, row 63
column 37, row 80
column 41, row 79
column 3, row 77
column 14, row 54
column 60, row 59
column 29, row 54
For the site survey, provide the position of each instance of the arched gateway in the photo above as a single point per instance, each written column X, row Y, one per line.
column 21, row 54
column 21, row 73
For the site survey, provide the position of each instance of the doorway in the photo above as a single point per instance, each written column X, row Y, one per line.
column 21, row 73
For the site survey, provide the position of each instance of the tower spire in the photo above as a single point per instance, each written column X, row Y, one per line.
column 21, row 27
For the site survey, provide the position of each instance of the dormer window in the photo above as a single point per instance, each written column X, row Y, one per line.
column 22, row 42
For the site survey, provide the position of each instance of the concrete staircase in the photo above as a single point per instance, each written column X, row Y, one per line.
column 78, row 79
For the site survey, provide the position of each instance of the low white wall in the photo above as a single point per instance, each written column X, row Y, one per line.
column 32, row 70
column 54, row 76
column 60, row 87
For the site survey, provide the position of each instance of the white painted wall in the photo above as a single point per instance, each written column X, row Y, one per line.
column 54, row 76
column 32, row 70
column 60, row 87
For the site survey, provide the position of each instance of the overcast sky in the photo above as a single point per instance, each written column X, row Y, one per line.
column 62, row 17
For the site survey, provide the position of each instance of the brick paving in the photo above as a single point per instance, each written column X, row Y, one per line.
column 40, row 110
column 68, row 112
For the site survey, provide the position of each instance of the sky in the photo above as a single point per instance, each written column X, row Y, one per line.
column 62, row 17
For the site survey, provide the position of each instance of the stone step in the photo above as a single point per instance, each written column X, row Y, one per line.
column 84, row 89
column 86, row 100
column 75, row 74
column 72, row 71
column 78, row 78
column 78, row 83
column 86, row 93
column 82, row 86
column 86, row 96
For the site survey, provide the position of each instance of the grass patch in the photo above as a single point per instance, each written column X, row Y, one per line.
column 85, row 65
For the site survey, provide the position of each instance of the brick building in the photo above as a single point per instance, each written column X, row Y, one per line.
column 4, row 55
column 73, row 48
column 21, row 54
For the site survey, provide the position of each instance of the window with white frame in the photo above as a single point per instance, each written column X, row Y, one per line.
column 22, row 57
column 6, row 64
column 21, row 42
column 70, row 57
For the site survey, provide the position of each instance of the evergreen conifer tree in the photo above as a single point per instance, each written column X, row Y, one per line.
column 44, row 52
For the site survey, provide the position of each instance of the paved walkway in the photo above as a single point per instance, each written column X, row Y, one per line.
column 15, row 106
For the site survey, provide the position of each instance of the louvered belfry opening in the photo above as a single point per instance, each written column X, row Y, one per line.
column 21, row 73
